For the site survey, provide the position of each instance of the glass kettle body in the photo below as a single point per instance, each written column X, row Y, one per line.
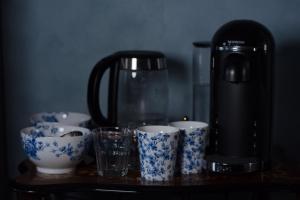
column 138, row 89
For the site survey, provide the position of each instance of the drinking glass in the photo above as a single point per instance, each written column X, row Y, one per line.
column 112, row 147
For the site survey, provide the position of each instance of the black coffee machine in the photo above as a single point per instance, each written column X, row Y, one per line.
column 241, row 98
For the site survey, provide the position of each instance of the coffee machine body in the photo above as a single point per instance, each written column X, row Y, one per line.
column 241, row 98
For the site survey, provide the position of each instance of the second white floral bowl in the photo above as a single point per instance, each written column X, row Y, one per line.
column 67, row 118
column 51, row 153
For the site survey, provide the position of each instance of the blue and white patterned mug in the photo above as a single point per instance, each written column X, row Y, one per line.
column 192, row 143
column 157, row 152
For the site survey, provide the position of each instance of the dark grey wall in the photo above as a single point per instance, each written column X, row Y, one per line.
column 50, row 48
column 3, row 160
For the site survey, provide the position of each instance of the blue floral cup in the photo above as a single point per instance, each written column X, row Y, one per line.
column 157, row 152
column 192, row 143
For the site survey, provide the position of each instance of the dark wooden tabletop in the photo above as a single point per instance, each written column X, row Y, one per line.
column 85, row 178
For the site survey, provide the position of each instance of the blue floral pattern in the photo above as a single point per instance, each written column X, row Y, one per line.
column 46, row 129
column 67, row 118
column 191, row 150
column 36, row 139
column 49, row 117
column 32, row 146
column 157, row 154
column 72, row 153
column 44, row 117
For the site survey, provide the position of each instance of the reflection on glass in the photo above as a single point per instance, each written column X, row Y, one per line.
column 201, row 81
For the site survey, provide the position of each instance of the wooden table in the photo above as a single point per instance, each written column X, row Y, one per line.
column 33, row 185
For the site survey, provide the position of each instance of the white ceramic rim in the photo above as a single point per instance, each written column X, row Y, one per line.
column 26, row 131
column 124, row 131
column 189, row 124
column 154, row 129
column 84, row 116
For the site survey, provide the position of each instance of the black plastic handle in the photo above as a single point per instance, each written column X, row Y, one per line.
column 94, row 90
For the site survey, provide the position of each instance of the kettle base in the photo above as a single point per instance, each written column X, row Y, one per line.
column 224, row 164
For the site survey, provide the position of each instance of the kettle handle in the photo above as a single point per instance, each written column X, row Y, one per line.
column 94, row 90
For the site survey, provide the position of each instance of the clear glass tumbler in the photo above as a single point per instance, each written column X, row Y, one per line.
column 201, row 81
column 112, row 147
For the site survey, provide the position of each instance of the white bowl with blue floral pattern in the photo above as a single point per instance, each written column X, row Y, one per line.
column 67, row 118
column 157, row 152
column 51, row 153
column 191, row 148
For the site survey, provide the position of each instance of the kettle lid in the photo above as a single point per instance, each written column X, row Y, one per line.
column 140, row 54
column 141, row 60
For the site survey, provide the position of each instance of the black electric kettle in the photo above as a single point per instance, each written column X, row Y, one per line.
column 138, row 89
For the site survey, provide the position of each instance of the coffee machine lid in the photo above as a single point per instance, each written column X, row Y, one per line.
column 141, row 60
column 241, row 34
